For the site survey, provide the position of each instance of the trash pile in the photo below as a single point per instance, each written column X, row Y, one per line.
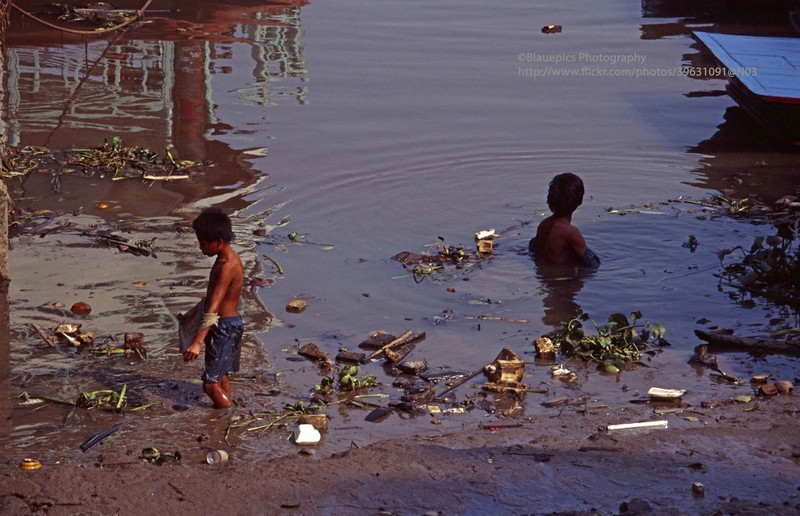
column 70, row 334
column 425, row 264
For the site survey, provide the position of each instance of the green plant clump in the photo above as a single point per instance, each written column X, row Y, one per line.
column 771, row 268
column 346, row 380
column 617, row 342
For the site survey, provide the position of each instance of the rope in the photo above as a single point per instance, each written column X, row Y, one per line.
column 139, row 14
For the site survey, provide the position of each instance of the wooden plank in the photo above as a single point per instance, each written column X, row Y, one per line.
column 406, row 338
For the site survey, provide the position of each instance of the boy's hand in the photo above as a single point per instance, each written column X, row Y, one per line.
column 192, row 352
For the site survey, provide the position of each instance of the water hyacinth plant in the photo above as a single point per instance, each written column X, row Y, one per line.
column 617, row 342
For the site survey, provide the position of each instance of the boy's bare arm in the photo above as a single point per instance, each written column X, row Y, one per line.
column 224, row 275
column 577, row 242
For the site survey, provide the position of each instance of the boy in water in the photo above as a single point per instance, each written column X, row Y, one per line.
column 222, row 325
column 557, row 240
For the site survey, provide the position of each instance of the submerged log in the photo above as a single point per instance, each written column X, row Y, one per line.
column 719, row 342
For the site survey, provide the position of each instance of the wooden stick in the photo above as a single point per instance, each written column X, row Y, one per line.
column 497, row 318
column 461, row 382
column 389, row 345
column 164, row 178
column 43, row 334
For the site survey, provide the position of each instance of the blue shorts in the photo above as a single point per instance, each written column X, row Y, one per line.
column 223, row 348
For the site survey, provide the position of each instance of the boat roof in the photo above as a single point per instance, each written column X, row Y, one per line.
column 767, row 66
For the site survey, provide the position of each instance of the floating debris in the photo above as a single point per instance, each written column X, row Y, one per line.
column 111, row 159
column 559, row 371
column 296, row 306
column 428, row 263
column 545, row 348
column 81, row 308
column 784, row 387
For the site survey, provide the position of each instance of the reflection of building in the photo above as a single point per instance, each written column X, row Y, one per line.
column 154, row 85
column 130, row 85
column 770, row 18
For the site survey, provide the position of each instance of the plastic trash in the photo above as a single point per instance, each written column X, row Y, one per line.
column 306, row 434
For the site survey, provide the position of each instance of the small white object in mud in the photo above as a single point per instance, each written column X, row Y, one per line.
column 485, row 234
column 643, row 424
column 657, row 392
column 306, row 434
column 559, row 370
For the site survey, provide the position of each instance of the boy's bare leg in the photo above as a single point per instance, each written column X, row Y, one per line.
column 226, row 385
column 215, row 391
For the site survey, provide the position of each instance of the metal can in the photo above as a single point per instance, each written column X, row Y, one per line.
column 217, row 456
column 30, row 464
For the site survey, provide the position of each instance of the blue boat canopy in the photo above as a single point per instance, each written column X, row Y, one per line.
column 768, row 67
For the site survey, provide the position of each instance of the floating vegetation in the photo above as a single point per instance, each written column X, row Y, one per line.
column 771, row 268
column 617, row 342
column 345, row 379
column 440, row 254
column 104, row 399
column 108, row 351
column 727, row 204
column 100, row 14
column 111, row 159
column 262, row 422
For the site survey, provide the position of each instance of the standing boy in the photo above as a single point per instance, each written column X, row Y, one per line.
column 222, row 325
column 557, row 240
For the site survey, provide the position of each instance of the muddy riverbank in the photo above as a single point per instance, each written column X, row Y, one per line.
column 746, row 463
column 550, row 455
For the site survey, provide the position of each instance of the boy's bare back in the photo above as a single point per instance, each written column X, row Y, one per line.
column 558, row 241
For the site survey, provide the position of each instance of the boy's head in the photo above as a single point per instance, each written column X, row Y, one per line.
column 565, row 194
column 213, row 224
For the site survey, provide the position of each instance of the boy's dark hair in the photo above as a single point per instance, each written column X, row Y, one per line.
column 565, row 194
column 213, row 224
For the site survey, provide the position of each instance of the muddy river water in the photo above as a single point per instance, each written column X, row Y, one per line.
column 370, row 128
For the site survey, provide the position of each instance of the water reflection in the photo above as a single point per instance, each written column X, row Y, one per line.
column 559, row 287
column 183, row 78
column 714, row 16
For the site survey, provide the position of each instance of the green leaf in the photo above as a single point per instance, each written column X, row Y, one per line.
column 618, row 319
column 658, row 329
